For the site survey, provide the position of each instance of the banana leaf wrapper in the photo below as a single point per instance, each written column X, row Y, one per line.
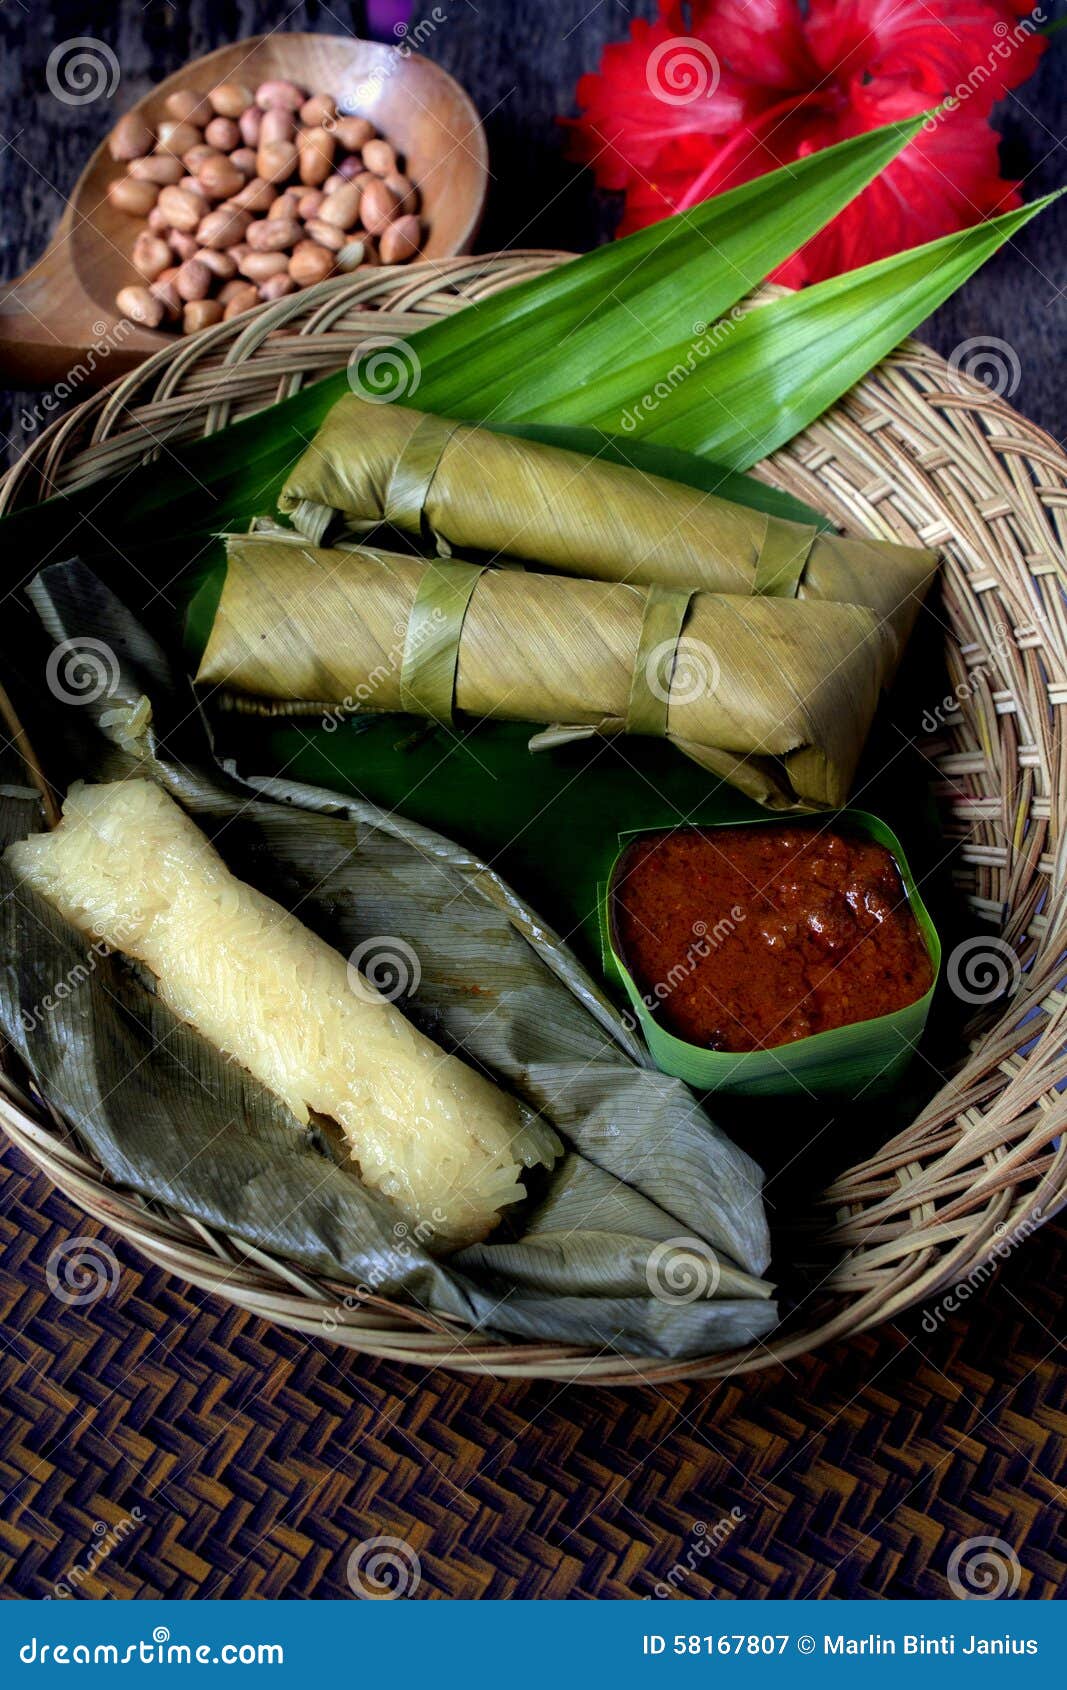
column 773, row 695
column 459, row 487
column 649, row 1235
column 863, row 1059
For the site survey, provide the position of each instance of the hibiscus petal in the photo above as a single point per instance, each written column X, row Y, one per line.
column 981, row 50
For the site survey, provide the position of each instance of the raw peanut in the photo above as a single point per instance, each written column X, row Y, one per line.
column 244, row 160
column 220, row 264
column 250, row 122
column 276, row 125
column 193, row 280
column 241, row 301
column 257, row 196
column 341, row 208
column 276, row 160
column 333, row 239
column 140, row 306
column 315, row 149
column 350, row 167
column 230, row 99
column 286, row 203
column 181, row 209
column 200, row 314
column 131, row 138
column 186, row 107
column 308, row 204
column 363, row 177
column 379, row 157
column 193, row 185
column 321, row 108
column 177, row 138
column 224, row 226
column 219, row 180
column 274, row 234
column 239, row 252
column 164, row 290
column 354, row 132
column 198, row 155
column 276, row 287
column 231, row 290
column 377, row 207
column 280, row 93
column 309, row 264
column 136, row 199
column 371, row 256
column 400, row 240
column 182, row 244
column 157, row 222
column 164, row 172
column 351, row 255
column 222, row 132
column 260, row 266
column 151, row 255
column 332, row 183
column 404, row 191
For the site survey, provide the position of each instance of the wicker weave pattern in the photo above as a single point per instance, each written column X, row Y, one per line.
column 916, row 453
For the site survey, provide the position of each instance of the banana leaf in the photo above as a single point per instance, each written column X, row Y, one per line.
column 171, row 1119
column 774, row 695
column 454, row 486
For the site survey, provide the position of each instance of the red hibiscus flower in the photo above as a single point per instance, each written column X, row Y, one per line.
column 719, row 91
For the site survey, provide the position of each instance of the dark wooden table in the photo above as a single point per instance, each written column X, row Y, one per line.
column 226, row 1458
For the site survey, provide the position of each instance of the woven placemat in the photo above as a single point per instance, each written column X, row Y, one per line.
column 156, row 1442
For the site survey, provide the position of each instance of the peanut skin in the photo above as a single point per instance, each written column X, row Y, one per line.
column 135, row 198
column 131, row 138
column 140, row 306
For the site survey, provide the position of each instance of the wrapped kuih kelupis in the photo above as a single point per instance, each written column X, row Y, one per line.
column 465, row 488
column 774, row 695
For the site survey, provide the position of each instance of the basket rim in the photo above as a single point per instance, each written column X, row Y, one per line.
column 947, row 1244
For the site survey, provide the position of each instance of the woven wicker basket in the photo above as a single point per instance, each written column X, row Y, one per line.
column 915, row 452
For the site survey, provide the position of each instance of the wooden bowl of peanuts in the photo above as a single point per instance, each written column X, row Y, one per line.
column 254, row 172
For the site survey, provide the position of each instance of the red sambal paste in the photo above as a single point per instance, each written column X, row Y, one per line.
column 742, row 938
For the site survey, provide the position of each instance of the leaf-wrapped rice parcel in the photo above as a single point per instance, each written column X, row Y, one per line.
column 773, row 695
column 460, row 487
